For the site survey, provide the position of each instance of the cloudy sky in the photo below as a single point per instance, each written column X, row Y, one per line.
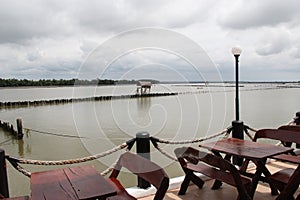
column 55, row 38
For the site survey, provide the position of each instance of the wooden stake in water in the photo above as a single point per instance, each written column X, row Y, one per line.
column 20, row 129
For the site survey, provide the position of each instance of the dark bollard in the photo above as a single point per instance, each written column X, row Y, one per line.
column 297, row 122
column 297, row 118
column 3, row 175
column 143, row 149
column 237, row 132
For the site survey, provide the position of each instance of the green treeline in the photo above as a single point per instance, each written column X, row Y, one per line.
column 61, row 82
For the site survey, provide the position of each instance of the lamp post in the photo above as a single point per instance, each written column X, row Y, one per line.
column 236, row 51
column 237, row 125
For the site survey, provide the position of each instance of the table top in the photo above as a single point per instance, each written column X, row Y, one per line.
column 246, row 149
column 81, row 182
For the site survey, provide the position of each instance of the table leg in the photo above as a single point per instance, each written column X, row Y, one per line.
column 255, row 180
column 266, row 172
column 261, row 169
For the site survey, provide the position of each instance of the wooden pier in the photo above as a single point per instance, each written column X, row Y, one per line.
column 15, row 104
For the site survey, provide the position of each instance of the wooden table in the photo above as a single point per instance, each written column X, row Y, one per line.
column 254, row 151
column 82, row 182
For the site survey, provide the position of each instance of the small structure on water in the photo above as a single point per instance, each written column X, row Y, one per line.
column 143, row 87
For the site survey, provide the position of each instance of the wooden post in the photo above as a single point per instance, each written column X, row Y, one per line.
column 3, row 175
column 20, row 129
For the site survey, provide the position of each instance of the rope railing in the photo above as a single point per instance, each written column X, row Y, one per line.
column 155, row 140
column 108, row 170
column 166, row 153
column 66, row 162
column 19, row 168
column 17, row 161
column 225, row 132
column 246, row 129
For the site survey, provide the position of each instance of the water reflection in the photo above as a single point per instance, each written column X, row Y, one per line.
column 143, row 104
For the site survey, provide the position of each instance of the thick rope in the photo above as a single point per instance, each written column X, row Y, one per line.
column 18, row 167
column 108, row 170
column 23, row 171
column 291, row 122
column 165, row 153
column 71, row 161
column 251, row 129
column 248, row 134
column 175, row 159
column 192, row 141
column 28, row 174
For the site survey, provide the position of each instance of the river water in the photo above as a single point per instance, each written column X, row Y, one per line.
column 75, row 130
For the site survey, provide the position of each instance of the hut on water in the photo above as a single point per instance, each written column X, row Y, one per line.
column 143, row 87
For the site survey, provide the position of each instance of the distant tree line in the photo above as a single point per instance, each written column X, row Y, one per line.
column 60, row 82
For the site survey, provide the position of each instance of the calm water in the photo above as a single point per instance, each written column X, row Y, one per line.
column 196, row 112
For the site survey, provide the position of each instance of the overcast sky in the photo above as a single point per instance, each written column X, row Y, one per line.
column 55, row 38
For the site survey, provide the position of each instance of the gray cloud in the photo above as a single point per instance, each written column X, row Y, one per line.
column 297, row 53
column 52, row 38
column 252, row 14
column 21, row 21
column 274, row 42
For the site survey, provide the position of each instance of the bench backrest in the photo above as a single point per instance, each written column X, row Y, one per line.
column 290, row 128
column 280, row 134
column 145, row 169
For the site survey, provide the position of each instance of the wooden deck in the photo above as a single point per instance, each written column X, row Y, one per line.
column 226, row 192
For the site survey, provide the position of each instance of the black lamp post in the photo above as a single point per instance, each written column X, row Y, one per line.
column 237, row 125
column 236, row 53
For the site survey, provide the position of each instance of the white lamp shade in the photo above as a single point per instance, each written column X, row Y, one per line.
column 236, row 51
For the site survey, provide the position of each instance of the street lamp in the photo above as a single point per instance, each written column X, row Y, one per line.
column 237, row 125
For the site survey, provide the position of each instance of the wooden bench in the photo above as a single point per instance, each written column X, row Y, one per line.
column 212, row 166
column 287, row 180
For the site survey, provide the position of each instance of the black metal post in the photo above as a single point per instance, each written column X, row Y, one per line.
column 3, row 175
column 143, row 149
column 297, row 122
column 297, row 119
column 237, row 104
column 237, row 125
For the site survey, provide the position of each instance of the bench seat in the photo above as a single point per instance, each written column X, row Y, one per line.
column 215, row 173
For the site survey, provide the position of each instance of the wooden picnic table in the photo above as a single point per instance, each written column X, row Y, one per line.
column 254, row 151
column 81, row 182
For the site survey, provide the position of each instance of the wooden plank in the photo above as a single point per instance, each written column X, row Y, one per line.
column 214, row 173
column 50, row 185
column 88, row 183
column 82, row 182
column 283, row 175
column 288, row 158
